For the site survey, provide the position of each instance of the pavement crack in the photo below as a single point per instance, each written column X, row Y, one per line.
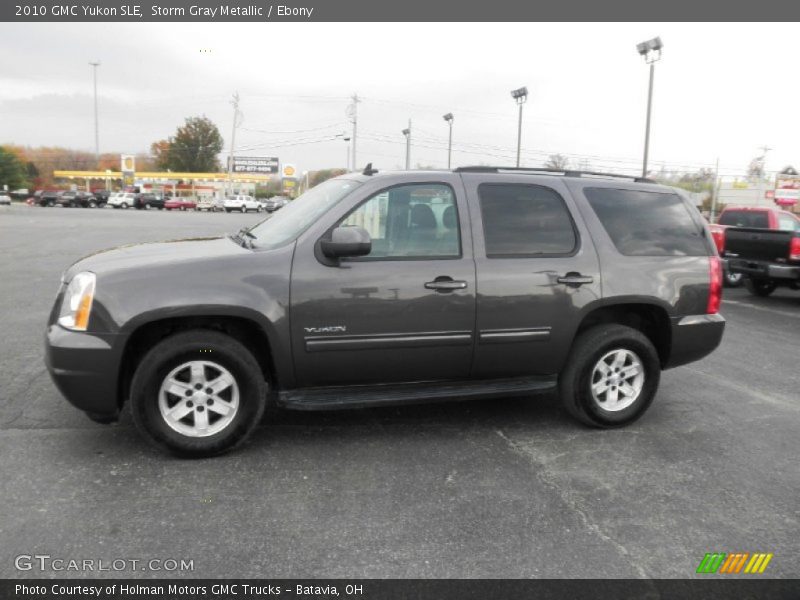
column 572, row 502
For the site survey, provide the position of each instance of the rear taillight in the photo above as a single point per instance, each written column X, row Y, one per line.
column 715, row 285
column 794, row 248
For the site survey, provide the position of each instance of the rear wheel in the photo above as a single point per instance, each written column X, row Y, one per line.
column 92, row 204
column 124, row 205
column 611, row 377
column 759, row 287
column 198, row 393
column 244, row 209
column 733, row 279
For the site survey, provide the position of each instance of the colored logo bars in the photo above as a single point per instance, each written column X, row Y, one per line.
column 721, row 562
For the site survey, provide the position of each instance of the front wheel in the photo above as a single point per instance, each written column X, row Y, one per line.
column 611, row 376
column 198, row 393
column 244, row 209
column 123, row 205
column 760, row 287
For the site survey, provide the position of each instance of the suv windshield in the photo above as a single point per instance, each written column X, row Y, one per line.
column 297, row 216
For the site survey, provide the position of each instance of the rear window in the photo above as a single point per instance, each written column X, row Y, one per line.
column 642, row 223
column 745, row 218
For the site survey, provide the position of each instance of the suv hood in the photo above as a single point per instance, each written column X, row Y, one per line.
column 151, row 254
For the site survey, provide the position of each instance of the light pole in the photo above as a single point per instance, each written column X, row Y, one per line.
column 651, row 51
column 346, row 139
column 520, row 96
column 449, row 118
column 407, row 133
column 96, row 125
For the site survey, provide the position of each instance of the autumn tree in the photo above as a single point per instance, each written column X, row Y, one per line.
column 193, row 148
column 13, row 172
column 317, row 177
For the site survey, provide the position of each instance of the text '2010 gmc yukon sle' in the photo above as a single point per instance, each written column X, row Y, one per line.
column 398, row 287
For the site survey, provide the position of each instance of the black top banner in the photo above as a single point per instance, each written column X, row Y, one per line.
column 405, row 10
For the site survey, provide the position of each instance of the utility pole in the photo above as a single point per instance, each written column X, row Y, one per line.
column 96, row 125
column 714, row 193
column 764, row 149
column 235, row 103
column 352, row 113
column 407, row 133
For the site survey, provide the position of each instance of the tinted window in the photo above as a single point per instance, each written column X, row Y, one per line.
column 410, row 221
column 745, row 218
column 525, row 220
column 647, row 223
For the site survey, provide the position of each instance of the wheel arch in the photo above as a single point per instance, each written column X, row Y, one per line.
column 145, row 334
column 651, row 318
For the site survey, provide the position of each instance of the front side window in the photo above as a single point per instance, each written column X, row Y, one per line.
column 521, row 220
column 410, row 221
column 642, row 223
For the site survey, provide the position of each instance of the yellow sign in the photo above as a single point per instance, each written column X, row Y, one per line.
column 289, row 170
column 128, row 163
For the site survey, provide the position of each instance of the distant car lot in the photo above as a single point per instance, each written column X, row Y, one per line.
column 480, row 489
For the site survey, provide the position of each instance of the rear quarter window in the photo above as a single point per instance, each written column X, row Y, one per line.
column 642, row 223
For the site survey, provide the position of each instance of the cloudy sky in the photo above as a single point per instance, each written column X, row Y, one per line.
column 721, row 91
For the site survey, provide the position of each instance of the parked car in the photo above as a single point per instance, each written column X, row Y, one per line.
column 101, row 197
column 180, row 204
column 122, row 200
column 363, row 292
column 242, row 203
column 149, row 200
column 274, row 203
column 211, row 204
column 763, row 217
column 77, row 199
column 5, row 199
column 45, row 197
column 766, row 258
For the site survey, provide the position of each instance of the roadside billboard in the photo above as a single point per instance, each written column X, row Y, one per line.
column 787, row 189
column 265, row 165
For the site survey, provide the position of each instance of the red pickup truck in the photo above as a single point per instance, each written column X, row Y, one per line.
column 759, row 217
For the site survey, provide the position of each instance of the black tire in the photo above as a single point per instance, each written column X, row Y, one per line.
column 759, row 287
column 92, row 204
column 244, row 209
column 206, row 346
column 124, row 205
column 575, row 382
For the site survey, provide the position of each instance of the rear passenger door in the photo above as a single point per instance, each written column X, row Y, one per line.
column 536, row 268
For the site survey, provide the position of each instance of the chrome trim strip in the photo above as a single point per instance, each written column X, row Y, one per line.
column 384, row 341
column 701, row 319
column 499, row 336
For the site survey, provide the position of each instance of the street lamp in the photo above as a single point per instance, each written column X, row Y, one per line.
column 346, row 139
column 449, row 118
column 407, row 133
column 651, row 52
column 94, row 66
column 520, row 96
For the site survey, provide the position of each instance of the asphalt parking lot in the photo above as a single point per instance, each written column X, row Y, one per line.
column 500, row 488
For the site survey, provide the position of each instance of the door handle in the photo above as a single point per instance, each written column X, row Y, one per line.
column 575, row 279
column 445, row 284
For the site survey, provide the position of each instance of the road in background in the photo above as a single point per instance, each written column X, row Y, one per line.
column 497, row 488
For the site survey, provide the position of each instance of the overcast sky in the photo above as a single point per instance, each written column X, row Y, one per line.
column 721, row 90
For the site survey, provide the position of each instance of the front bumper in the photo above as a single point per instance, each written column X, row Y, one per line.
column 694, row 337
column 764, row 270
column 85, row 369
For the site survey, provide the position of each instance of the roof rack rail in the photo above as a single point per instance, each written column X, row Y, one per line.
column 563, row 172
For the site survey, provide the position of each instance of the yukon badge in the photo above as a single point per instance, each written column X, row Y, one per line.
column 326, row 329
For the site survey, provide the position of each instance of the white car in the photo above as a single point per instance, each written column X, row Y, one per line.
column 5, row 198
column 121, row 200
column 210, row 204
column 242, row 203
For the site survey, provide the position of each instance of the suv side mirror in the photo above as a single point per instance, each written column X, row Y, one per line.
column 347, row 241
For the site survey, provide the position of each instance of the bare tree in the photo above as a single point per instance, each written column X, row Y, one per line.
column 557, row 161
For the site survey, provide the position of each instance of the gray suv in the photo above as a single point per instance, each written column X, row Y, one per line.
column 375, row 289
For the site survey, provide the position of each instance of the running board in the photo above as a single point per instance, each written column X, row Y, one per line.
column 333, row 398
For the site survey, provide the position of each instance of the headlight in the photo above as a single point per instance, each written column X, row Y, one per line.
column 77, row 303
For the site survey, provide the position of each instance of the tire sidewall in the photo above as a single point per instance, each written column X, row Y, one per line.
column 173, row 352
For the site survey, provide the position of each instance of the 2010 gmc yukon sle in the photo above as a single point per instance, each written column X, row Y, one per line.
column 395, row 288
